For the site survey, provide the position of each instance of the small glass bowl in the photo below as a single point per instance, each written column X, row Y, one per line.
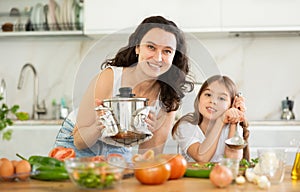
column 93, row 172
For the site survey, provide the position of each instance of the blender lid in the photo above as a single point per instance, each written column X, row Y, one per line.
column 126, row 92
column 125, row 95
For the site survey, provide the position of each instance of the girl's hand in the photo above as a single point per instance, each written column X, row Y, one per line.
column 233, row 115
column 239, row 103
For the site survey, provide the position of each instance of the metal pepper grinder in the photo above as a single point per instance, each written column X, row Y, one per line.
column 287, row 109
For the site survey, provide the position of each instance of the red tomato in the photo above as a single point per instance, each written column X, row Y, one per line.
column 98, row 158
column 178, row 165
column 62, row 153
column 152, row 172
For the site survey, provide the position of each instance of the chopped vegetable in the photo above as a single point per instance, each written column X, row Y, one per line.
column 246, row 164
column 209, row 165
column 206, row 165
column 89, row 177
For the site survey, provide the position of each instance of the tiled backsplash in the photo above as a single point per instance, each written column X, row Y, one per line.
column 265, row 68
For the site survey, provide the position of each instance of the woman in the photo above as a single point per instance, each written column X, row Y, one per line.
column 201, row 135
column 154, row 64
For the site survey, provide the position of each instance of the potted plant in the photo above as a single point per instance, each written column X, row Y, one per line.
column 5, row 120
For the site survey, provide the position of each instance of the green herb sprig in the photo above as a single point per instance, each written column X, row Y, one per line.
column 5, row 121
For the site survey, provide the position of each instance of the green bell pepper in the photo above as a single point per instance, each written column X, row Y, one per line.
column 45, row 161
column 199, row 173
column 47, row 168
column 47, row 173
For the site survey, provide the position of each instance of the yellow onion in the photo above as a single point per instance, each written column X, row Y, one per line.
column 221, row 176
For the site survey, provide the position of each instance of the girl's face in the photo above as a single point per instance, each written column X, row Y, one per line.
column 214, row 101
column 156, row 52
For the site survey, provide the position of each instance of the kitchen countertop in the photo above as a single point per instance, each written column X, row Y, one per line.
column 252, row 122
column 39, row 122
column 275, row 123
column 131, row 184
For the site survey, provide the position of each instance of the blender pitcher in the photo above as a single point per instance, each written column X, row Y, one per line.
column 124, row 119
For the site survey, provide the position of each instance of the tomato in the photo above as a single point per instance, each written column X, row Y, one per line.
column 178, row 165
column 98, row 158
column 62, row 153
column 152, row 172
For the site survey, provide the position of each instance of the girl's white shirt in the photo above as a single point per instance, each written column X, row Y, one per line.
column 188, row 134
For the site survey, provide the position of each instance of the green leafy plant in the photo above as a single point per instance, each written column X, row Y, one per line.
column 5, row 120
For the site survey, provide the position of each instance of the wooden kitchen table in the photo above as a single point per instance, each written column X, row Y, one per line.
column 132, row 185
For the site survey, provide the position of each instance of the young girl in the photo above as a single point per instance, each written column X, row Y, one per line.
column 201, row 135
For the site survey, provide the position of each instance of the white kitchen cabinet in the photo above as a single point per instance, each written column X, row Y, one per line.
column 116, row 15
column 260, row 15
column 65, row 20
column 274, row 136
column 29, row 140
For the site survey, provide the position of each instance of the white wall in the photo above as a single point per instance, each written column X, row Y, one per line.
column 264, row 67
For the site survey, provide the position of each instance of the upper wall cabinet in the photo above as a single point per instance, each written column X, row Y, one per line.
column 41, row 17
column 260, row 15
column 117, row 15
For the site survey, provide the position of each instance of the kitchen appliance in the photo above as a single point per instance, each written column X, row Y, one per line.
column 287, row 109
column 124, row 119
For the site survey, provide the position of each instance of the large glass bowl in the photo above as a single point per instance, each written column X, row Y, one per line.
column 93, row 172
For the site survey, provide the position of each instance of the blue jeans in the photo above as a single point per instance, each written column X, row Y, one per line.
column 65, row 138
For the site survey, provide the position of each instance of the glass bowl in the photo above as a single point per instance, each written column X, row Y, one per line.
column 94, row 172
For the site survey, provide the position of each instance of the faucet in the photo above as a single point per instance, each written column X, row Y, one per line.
column 3, row 90
column 37, row 109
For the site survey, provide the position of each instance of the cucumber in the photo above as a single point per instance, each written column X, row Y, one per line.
column 199, row 173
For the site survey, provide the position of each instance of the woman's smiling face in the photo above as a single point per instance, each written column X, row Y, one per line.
column 214, row 100
column 156, row 52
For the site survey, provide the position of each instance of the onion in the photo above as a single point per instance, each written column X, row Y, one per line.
column 221, row 176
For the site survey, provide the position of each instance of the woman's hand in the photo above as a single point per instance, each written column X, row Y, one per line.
column 233, row 115
column 100, row 113
column 239, row 103
column 151, row 121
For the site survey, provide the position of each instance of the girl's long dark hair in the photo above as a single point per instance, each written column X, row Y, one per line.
column 195, row 117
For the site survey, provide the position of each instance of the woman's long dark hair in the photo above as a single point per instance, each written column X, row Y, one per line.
column 174, row 82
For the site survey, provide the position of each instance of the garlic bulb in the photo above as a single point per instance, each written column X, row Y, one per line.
column 263, row 182
column 240, row 180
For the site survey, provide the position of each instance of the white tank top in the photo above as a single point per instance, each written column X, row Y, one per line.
column 116, row 86
column 118, row 82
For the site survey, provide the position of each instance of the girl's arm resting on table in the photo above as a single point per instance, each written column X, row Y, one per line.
column 160, row 134
column 203, row 152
